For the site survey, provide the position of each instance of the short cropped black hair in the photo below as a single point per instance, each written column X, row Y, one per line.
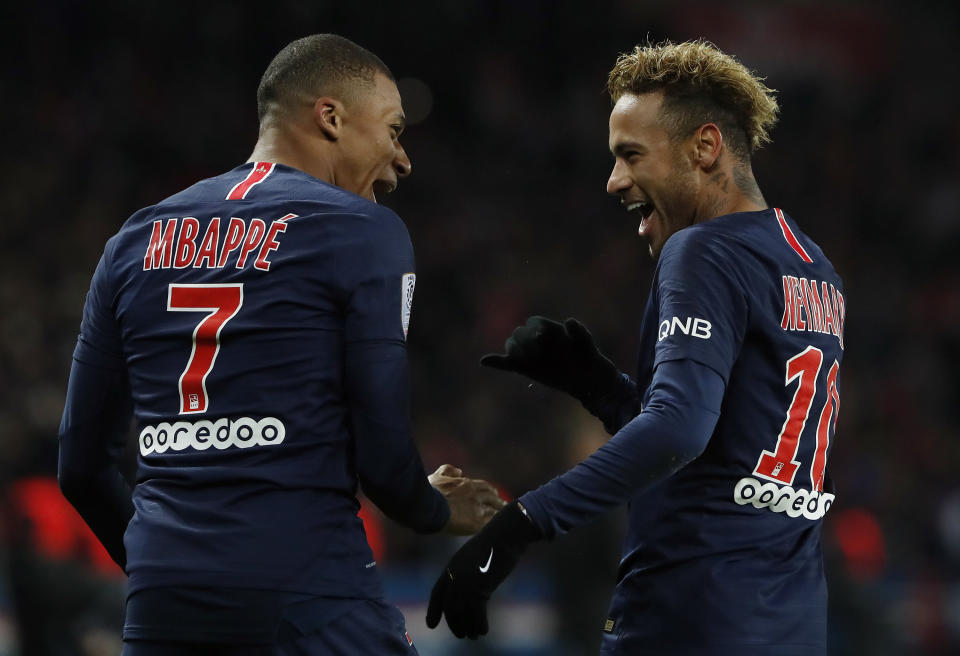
column 316, row 65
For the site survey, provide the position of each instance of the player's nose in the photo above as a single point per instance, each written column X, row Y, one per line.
column 401, row 163
column 619, row 181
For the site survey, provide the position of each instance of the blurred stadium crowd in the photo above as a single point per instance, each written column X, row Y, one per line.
column 111, row 106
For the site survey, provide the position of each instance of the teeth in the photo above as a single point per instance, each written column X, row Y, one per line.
column 642, row 206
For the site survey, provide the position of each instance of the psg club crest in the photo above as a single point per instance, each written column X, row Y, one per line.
column 406, row 300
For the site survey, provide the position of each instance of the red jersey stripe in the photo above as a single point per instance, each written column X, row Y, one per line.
column 257, row 175
column 790, row 237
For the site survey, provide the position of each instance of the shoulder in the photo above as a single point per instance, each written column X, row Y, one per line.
column 704, row 261
column 205, row 190
column 385, row 235
column 324, row 199
column 365, row 239
column 738, row 242
column 367, row 227
column 127, row 241
column 321, row 199
column 376, row 226
column 377, row 216
column 702, row 244
column 693, row 238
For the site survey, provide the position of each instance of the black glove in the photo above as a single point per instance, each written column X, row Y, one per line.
column 559, row 355
column 475, row 571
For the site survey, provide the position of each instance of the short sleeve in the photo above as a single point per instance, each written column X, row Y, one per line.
column 99, row 343
column 380, row 267
column 702, row 303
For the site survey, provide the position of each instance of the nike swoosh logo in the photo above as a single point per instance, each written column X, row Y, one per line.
column 485, row 568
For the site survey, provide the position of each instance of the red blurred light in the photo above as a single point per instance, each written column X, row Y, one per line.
column 56, row 529
column 861, row 540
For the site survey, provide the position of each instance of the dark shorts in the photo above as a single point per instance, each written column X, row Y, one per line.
column 368, row 627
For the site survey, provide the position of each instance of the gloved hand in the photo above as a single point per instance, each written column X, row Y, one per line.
column 474, row 572
column 559, row 355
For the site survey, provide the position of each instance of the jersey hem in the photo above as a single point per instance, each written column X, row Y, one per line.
column 164, row 578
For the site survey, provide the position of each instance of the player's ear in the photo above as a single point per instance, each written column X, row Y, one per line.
column 328, row 115
column 707, row 143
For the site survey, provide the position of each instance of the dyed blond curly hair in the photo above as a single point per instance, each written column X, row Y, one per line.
column 701, row 84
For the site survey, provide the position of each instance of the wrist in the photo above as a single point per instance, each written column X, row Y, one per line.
column 512, row 523
column 603, row 382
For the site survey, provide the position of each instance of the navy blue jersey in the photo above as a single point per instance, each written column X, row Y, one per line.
column 261, row 319
column 723, row 555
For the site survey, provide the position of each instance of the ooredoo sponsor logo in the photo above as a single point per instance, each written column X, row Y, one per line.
column 240, row 432
column 795, row 503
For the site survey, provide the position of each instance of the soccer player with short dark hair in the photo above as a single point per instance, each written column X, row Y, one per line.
column 255, row 326
column 720, row 442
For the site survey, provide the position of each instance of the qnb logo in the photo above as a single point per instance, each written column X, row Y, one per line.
column 782, row 499
column 693, row 326
column 243, row 433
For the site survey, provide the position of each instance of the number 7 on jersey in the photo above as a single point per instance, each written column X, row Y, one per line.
column 221, row 302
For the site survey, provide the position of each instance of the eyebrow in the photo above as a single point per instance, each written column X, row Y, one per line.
column 401, row 119
column 622, row 147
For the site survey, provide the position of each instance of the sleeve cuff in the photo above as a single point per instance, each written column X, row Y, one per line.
column 537, row 515
column 438, row 518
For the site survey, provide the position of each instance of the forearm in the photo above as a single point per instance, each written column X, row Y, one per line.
column 104, row 501
column 672, row 430
column 393, row 477
column 618, row 406
column 92, row 435
column 388, row 464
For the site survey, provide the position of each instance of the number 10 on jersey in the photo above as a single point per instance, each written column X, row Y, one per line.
column 781, row 465
column 221, row 302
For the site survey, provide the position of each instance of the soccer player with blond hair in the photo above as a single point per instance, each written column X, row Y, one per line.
column 720, row 440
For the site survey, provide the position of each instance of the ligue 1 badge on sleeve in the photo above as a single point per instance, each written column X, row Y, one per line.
column 406, row 300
